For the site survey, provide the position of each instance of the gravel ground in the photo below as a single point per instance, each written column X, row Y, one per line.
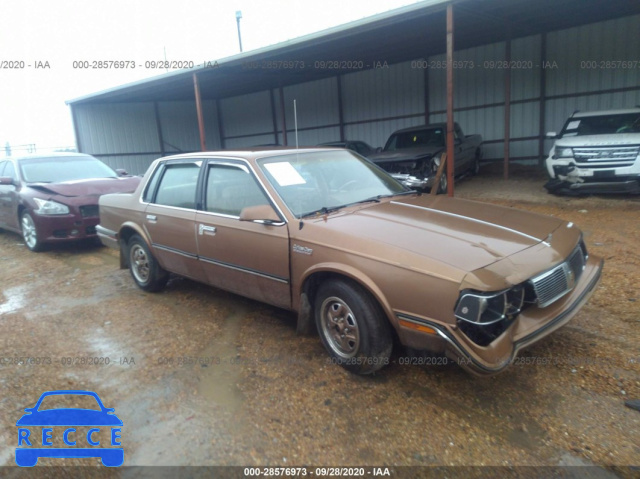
column 202, row 377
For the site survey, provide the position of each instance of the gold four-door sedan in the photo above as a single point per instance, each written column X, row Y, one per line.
column 327, row 234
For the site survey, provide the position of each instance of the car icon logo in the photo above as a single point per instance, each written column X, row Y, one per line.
column 31, row 447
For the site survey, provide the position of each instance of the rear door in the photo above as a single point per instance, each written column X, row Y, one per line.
column 169, row 218
column 248, row 258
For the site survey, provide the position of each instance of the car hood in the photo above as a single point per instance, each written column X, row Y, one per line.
column 426, row 230
column 404, row 154
column 631, row 139
column 69, row 417
column 90, row 187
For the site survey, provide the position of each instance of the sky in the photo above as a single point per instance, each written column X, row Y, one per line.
column 41, row 39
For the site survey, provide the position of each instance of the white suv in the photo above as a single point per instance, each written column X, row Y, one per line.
column 596, row 152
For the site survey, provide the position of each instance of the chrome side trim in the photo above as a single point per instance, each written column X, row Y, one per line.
column 244, row 270
column 174, row 250
column 504, row 228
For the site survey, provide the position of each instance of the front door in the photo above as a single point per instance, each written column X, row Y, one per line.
column 248, row 258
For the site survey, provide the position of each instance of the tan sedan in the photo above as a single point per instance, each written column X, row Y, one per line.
column 329, row 235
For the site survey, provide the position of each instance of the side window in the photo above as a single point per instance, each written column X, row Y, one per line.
column 230, row 189
column 147, row 196
column 459, row 134
column 2, row 165
column 9, row 170
column 178, row 185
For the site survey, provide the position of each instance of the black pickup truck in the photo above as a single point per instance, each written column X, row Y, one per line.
column 412, row 155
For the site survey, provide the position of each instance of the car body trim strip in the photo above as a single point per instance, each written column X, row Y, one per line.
column 244, row 270
column 475, row 220
column 174, row 250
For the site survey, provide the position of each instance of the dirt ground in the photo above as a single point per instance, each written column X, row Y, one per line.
column 202, row 377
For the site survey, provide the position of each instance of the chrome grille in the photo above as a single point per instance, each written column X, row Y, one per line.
column 620, row 155
column 557, row 282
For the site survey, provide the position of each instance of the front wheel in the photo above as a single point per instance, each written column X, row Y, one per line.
column 444, row 180
column 353, row 327
column 30, row 233
column 146, row 271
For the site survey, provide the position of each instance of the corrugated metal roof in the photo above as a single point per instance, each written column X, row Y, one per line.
column 407, row 33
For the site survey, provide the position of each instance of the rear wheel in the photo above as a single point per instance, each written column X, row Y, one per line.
column 30, row 233
column 475, row 165
column 352, row 326
column 145, row 270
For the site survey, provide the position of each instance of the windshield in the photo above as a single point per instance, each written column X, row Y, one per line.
column 310, row 182
column 59, row 169
column 602, row 125
column 413, row 139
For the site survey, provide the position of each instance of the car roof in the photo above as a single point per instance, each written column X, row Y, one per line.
column 581, row 114
column 249, row 153
column 57, row 154
column 422, row 127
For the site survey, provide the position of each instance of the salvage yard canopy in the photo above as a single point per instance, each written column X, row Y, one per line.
column 226, row 94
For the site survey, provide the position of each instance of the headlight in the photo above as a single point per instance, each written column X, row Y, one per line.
column 563, row 153
column 488, row 308
column 48, row 207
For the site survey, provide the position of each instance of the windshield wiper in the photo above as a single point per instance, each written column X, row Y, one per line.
column 326, row 210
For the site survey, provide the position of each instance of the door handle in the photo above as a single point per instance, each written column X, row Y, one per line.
column 202, row 229
column 152, row 218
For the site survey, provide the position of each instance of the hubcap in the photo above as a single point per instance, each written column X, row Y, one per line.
column 29, row 231
column 340, row 328
column 139, row 263
column 443, row 182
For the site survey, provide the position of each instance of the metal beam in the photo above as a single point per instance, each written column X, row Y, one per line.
column 340, row 109
column 76, row 129
column 507, row 107
column 196, row 88
column 274, row 117
column 220, row 124
column 543, row 94
column 426, row 94
column 159, row 127
column 450, row 139
column 284, row 118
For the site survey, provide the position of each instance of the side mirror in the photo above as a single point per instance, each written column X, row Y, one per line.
column 7, row 181
column 551, row 135
column 260, row 214
column 378, row 150
column 122, row 172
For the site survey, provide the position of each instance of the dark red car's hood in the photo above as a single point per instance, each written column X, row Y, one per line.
column 94, row 186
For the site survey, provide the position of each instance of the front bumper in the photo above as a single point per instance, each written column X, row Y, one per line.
column 59, row 228
column 534, row 324
column 629, row 186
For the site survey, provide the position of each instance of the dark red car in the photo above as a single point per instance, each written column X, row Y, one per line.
column 54, row 197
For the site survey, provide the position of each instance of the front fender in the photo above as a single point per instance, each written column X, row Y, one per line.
column 352, row 273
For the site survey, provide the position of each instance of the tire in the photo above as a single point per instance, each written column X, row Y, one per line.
column 444, row 181
column 145, row 270
column 475, row 165
column 352, row 327
column 30, row 233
